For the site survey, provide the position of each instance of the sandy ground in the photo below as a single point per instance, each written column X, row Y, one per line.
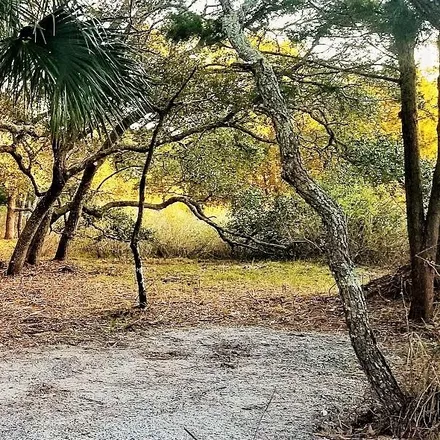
column 201, row 383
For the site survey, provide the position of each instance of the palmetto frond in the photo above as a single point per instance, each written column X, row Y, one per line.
column 72, row 66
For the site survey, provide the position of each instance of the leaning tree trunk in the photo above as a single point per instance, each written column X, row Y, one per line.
column 10, row 216
column 76, row 208
column 134, row 242
column 36, row 246
column 364, row 343
column 19, row 255
column 422, row 270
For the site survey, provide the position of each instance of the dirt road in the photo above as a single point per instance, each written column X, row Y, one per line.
column 212, row 383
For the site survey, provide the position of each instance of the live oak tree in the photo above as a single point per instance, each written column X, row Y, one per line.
column 77, row 71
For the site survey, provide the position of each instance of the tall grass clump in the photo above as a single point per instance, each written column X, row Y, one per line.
column 421, row 418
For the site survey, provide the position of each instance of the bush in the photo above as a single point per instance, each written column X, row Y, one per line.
column 375, row 219
column 376, row 223
column 279, row 219
column 117, row 225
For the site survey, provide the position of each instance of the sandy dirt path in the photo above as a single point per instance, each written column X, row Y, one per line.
column 214, row 382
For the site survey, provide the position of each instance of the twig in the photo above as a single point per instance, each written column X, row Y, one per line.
column 263, row 413
column 190, row 434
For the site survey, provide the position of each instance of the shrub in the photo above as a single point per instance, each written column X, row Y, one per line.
column 117, row 225
column 279, row 219
column 375, row 219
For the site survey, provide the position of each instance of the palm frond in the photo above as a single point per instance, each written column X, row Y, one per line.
column 71, row 65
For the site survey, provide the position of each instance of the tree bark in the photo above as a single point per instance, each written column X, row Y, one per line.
column 76, row 209
column 363, row 340
column 422, row 238
column 36, row 246
column 21, row 249
column 423, row 309
column 10, row 216
column 19, row 220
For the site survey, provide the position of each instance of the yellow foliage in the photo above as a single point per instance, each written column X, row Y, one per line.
column 428, row 117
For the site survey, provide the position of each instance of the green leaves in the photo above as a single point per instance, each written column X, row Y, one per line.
column 72, row 67
column 188, row 25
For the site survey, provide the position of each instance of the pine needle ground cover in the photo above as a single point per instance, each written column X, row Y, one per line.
column 89, row 300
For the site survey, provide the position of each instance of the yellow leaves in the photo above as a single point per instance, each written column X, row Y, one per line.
column 389, row 123
column 279, row 45
column 116, row 186
column 428, row 117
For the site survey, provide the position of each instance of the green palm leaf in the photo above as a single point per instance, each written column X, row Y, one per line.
column 83, row 74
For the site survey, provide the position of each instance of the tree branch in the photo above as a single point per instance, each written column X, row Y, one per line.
column 18, row 158
column 319, row 63
column 230, row 237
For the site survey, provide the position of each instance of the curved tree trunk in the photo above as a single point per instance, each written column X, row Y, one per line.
column 76, row 208
column 10, row 216
column 33, row 255
column 21, row 249
column 364, row 343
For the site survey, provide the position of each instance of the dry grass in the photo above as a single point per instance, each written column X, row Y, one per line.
column 422, row 378
column 176, row 232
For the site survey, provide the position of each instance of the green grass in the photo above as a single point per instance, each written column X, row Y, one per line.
column 6, row 248
column 302, row 277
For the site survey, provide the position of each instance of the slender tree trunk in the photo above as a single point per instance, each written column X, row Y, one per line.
column 19, row 219
column 10, row 216
column 424, row 309
column 134, row 242
column 34, row 252
column 76, row 208
column 369, row 355
column 422, row 258
column 43, row 206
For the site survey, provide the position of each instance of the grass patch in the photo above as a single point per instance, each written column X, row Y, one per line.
column 6, row 248
column 304, row 278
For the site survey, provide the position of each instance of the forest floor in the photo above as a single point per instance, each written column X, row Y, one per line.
column 92, row 300
column 225, row 350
